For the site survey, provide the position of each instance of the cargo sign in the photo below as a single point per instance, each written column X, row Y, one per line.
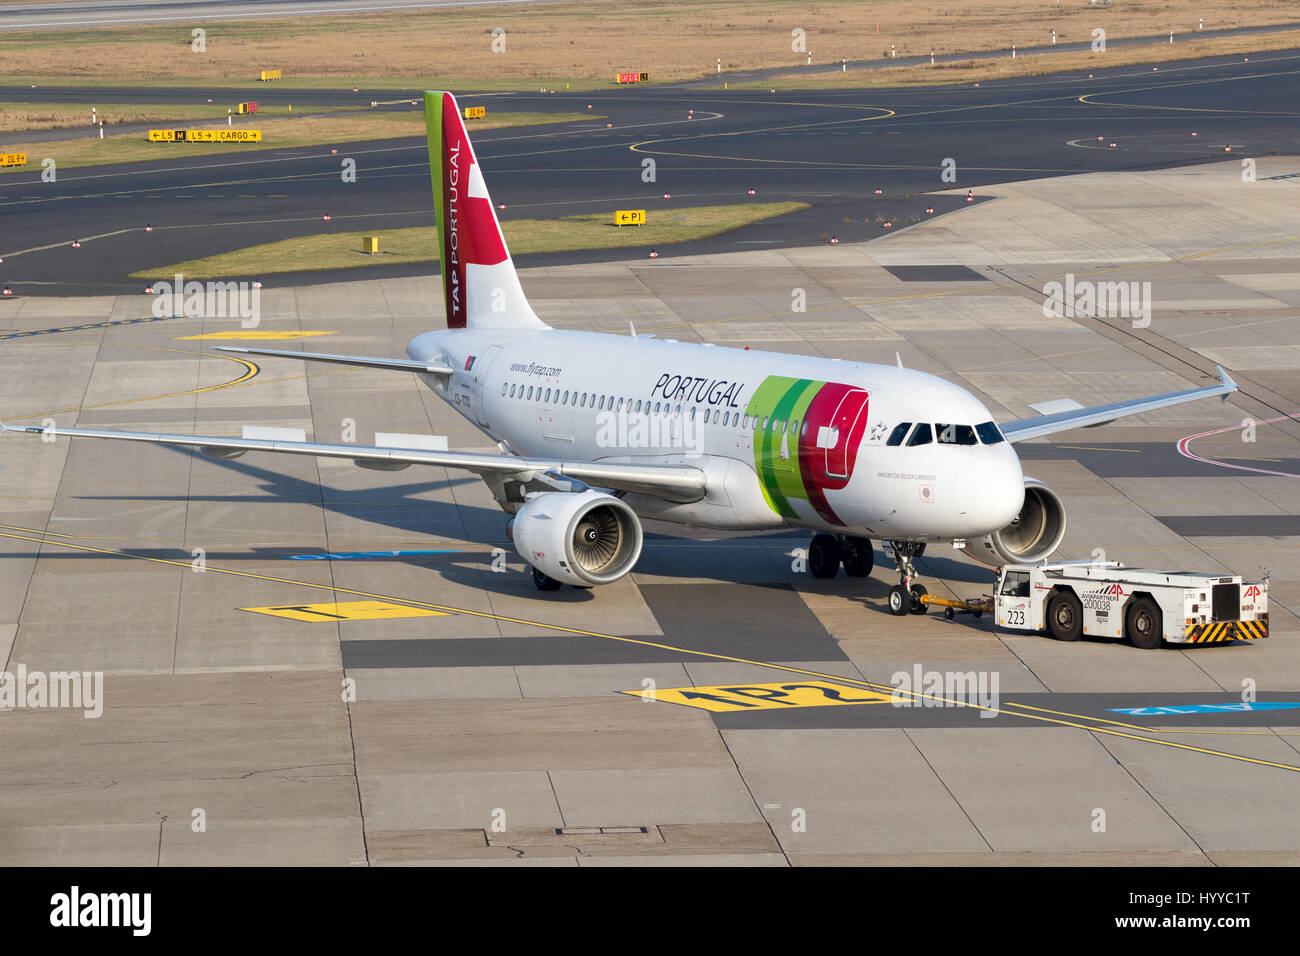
column 223, row 136
column 205, row 135
column 270, row 75
column 629, row 217
column 475, row 112
column 13, row 159
column 634, row 78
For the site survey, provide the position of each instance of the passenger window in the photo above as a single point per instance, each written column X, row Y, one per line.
column 530, row 393
column 989, row 433
column 1016, row 584
column 804, row 431
column 955, row 434
column 656, row 408
column 692, row 413
column 503, row 389
column 922, row 435
column 898, row 434
column 746, row 423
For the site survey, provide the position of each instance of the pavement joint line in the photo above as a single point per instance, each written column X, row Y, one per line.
column 660, row 646
column 992, row 287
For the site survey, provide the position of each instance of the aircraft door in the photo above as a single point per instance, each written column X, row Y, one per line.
column 845, row 427
column 483, row 365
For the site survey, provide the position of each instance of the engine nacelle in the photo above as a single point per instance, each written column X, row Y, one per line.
column 1034, row 533
column 585, row 538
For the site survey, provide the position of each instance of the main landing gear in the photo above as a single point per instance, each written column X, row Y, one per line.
column 905, row 597
column 828, row 552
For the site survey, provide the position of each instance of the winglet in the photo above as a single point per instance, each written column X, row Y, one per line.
column 1226, row 379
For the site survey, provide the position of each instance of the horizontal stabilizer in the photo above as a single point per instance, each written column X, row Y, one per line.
column 362, row 361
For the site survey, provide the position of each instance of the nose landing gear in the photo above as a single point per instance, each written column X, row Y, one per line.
column 905, row 597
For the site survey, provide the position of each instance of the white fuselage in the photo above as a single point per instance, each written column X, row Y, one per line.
column 786, row 440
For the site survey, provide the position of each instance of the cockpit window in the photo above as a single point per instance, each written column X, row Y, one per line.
column 955, row 434
column 898, row 434
column 989, row 433
column 922, row 436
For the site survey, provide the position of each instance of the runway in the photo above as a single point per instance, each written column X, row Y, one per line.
column 830, row 149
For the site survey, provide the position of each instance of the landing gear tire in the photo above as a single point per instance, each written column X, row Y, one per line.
column 824, row 556
column 899, row 601
column 917, row 606
column 857, row 557
column 1143, row 625
column 1065, row 616
column 544, row 581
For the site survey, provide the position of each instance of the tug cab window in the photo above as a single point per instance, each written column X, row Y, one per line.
column 989, row 433
column 898, row 434
column 922, row 435
column 1016, row 584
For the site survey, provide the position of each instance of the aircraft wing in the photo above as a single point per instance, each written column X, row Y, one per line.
column 681, row 483
column 1027, row 428
column 401, row 365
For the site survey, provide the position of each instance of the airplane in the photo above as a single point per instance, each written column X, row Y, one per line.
column 597, row 431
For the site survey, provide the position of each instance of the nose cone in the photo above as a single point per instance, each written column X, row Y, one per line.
column 993, row 491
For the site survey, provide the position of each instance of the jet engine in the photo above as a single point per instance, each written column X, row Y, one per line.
column 584, row 538
column 1034, row 533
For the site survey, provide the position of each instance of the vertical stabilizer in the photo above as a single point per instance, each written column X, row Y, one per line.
column 480, row 286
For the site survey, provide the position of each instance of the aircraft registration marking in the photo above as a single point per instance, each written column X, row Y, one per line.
column 344, row 611
column 724, row 698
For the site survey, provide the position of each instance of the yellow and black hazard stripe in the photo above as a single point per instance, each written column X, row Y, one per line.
column 1226, row 631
